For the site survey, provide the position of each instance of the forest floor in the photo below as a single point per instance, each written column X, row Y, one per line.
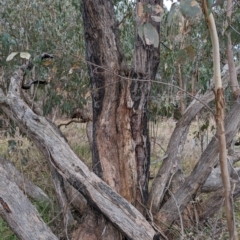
column 26, row 157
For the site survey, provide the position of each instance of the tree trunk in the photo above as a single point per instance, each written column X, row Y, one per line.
column 121, row 149
column 181, row 85
column 220, row 114
column 33, row 191
column 230, row 57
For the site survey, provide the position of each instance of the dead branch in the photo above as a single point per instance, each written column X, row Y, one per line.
column 202, row 170
column 46, row 137
column 20, row 215
column 33, row 191
column 171, row 163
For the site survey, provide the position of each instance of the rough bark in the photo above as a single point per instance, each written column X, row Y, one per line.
column 121, row 149
column 33, row 191
column 20, row 215
column 169, row 211
column 47, row 137
column 170, row 163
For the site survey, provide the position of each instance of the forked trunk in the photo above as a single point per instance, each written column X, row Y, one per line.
column 121, row 149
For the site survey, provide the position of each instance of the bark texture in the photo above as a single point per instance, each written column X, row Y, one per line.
column 33, row 191
column 230, row 57
column 21, row 216
column 121, row 149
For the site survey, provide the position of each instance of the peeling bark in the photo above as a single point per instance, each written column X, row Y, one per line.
column 121, row 148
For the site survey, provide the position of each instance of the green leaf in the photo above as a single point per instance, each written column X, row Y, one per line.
column 11, row 56
column 151, row 35
column 25, row 55
column 190, row 9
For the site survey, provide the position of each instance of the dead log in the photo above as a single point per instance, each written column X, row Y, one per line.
column 20, row 215
column 214, row 180
column 171, row 162
column 46, row 137
column 170, row 210
column 212, row 205
column 33, row 191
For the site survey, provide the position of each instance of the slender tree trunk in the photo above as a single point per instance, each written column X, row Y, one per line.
column 230, row 58
column 182, row 105
column 220, row 108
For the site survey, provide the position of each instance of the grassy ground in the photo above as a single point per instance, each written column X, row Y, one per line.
column 30, row 161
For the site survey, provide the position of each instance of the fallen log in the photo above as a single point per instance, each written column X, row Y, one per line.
column 21, row 216
column 33, row 191
column 47, row 138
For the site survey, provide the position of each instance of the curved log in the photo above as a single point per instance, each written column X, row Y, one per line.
column 47, row 138
column 23, row 183
column 21, row 216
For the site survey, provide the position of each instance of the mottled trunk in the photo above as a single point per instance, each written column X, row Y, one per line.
column 121, row 149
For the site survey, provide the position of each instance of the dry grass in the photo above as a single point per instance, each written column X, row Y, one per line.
column 196, row 142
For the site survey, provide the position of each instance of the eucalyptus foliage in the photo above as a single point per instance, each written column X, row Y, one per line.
column 55, row 27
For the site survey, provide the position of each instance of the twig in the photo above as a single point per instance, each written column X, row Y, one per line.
column 71, row 121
